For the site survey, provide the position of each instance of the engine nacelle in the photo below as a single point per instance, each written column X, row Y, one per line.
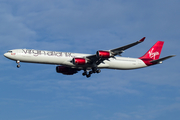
column 66, row 70
column 79, row 61
column 103, row 54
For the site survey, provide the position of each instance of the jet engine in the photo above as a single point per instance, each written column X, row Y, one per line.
column 66, row 70
column 79, row 61
column 103, row 54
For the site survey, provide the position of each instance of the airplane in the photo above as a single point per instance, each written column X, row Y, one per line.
column 70, row 63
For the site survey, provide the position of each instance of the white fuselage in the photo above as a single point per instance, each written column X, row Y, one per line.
column 65, row 58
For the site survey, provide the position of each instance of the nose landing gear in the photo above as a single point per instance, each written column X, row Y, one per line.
column 18, row 66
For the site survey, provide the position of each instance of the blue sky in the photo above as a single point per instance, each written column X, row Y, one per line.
column 37, row 92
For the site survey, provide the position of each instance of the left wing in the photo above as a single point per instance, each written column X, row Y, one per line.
column 100, row 56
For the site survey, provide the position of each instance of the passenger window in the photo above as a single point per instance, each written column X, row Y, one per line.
column 9, row 51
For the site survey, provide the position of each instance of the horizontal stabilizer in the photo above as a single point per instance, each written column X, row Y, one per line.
column 161, row 59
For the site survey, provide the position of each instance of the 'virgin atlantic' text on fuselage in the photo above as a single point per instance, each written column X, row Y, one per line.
column 48, row 53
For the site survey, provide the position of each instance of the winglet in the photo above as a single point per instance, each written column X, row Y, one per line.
column 141, row 40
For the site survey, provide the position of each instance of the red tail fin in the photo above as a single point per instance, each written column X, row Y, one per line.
column 153, row 53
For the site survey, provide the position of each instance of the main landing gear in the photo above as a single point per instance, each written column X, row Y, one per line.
column 18, row 65
column 94, row 70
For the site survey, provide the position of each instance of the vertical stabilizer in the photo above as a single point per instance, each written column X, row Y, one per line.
column 153, row 53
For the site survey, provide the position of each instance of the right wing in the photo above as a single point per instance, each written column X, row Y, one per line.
column 118, row 51
column 114, row 52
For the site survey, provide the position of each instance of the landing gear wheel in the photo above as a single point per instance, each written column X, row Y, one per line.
column 18, row 66
column 88, row 75
column 98, row 71
column 90, row 72
column 94, row 70
column 84, row 73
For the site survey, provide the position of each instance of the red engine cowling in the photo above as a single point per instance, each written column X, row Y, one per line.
column 103, row 54
column 79, row 61
column 66, row 70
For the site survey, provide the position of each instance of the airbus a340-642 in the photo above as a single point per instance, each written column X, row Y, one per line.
column 70, row 63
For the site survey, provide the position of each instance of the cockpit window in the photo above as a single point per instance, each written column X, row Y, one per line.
column 9, row 51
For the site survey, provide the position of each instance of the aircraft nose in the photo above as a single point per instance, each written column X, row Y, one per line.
column 5, row 54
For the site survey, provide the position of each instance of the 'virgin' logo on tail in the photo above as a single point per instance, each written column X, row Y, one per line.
column 153, row 54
